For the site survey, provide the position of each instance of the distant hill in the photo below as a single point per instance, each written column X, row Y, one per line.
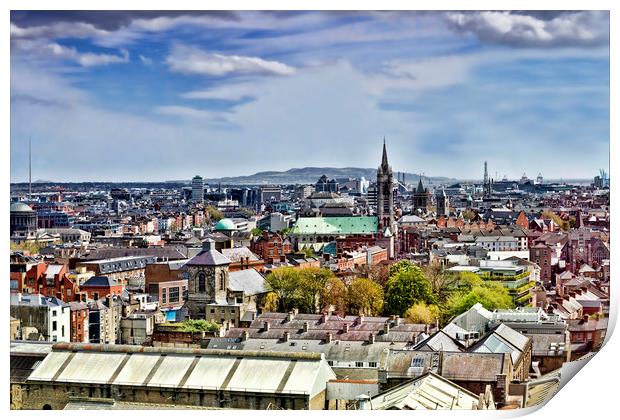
column 310, row 175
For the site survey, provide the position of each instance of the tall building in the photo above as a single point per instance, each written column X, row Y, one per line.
column 385, row 194
column 420, row 197
column 198, row 189
column 443, row 205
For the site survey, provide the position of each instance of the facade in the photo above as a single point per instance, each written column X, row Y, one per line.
column 385, row 195
column 541, row 255
column 178, row 377
column 442, row 203
column 23, row 218
column 198, row 189
column 46, row 317
column 99, row 287
column 420, row 198
column 79, row 322
column 326, row 185
column 271, row 247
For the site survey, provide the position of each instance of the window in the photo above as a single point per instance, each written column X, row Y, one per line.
column 417, row 362
column 222, row 278
column 62, row 330
column 212, row 311
column 163, row 295
column 54, row 326
column 330, row 362
column 173, row 294
column 202, row 283
column 359, row 364
column 372, row 364
column 53, row 313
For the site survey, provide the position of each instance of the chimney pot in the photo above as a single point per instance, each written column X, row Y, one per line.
column 386, row 328
column 329, row 337
column 345, row 328
column 371, row 338
column 286, row 336
column 306, row 325
column 245, row 336
column 265, row 326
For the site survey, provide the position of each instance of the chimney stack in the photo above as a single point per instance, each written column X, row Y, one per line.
column 345, row 328
column 286, row 336
column 371, row 338
column 265, row 326
column 245, row 335
column 360, row 320
column 306, row 326
column 386, row 328
column 328, row 339
column 323, row 318
column 289, row 316
column 397, row 321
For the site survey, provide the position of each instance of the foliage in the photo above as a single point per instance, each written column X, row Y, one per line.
column 246, row 212
column 194, row 325
column 467, row 281
column 308, row 289
column 491, row 296
column 421, row 313
column 307, row 251
column 31, row 248
column 334, row 295
column 270, row 302
column 257, row 231
column 563, row 224
column 285, row 231
column 406, row 287
column 214, row 214
column 401, row 266
column 365, row 297
column 442, row 282
column 469, row 215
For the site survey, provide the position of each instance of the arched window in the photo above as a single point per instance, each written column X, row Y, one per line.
column 47, row 407
column 222, row 285
column 202, row 283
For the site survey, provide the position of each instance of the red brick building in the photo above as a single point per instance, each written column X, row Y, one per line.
column 98, row 287
column 541, row 255
column 271, row 247
column 79, row 322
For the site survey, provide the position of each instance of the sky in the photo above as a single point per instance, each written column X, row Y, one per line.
column 154, row 96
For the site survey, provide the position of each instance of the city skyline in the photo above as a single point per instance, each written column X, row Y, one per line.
column 225, row 93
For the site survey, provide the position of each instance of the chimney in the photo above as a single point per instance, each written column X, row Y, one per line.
column 253, row 316
column 572, row 294
column 345, row 328
column 328, row 339
column 286, row 336
column 245, row 335
column 371, row 338
column 397, row 321
column 289, row 316
column 295, row 311
column 323, row 318
column 265, row 326
column 306, row 325
column 360, row 320
column 386, row 328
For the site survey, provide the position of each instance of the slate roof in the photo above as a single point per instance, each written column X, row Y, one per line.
column 100, row 281
column 235, row 254
column 209, row 257
column 483, row 367
column 105, row 253
column 251, row 282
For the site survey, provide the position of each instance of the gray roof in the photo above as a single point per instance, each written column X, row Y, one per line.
column 209, row 257
column 235, row 254
column 21, row 207
column 251, row 282
column 167, row 252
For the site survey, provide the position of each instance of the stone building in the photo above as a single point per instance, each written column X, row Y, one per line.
column 421, row 198
column 23, row 218
column 218, row 295
column 177, row 377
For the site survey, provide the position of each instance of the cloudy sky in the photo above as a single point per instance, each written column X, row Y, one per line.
column 167, row 95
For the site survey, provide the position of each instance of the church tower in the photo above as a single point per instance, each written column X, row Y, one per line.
column 385, row 194
column 442, row 202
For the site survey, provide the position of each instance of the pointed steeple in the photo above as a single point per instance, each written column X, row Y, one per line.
column 384, row 159
column 420, row 188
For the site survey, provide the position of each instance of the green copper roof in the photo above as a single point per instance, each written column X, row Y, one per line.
column 354, row 225
column 225, row 224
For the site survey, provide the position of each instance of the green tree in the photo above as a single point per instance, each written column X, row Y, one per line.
column 311, row 285
column 257, row 231
column 214, row 214
column 405, row 288
column 32, row 248
column 469, row 215
column 442, row 282
column 401, row 266
column 365, row 297
column 491, row 296
column 334, row 295
column 466, row 281
column 421, row 313
column 307, row 251
column 284, row 282
column 270, row 302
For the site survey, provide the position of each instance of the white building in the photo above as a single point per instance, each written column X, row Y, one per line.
column 198, row 189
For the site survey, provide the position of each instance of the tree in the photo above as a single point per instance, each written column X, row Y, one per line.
column 365, row 297
column 421, row 313
column 401, row 266
column 491, row 296
column 214, row 214
column 31, row 248
column 466, row 281
column 563, row 224
column 270, row 302
column 311, row 284
column 405, row 288
column 284, row 282
column 469, row 215
column 441, row 282
column 257, row 231
column 334, row 295
column 307, row 251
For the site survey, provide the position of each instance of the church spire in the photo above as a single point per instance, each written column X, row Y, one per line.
column 384, row 159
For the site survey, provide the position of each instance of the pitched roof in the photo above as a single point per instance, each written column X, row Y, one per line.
column 209, row 257
column 100, row 281
column 249, row 281
column 335, row 225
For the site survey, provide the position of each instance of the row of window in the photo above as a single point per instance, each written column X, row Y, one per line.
column 357, row 364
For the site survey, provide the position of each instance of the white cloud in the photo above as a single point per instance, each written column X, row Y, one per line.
column 39, row 48
column 145, row 60
column 191, row 60
column 189, row 112
column 565, row 29
column 58, row 30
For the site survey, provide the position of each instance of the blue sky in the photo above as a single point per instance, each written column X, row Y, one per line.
column 122, row 96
